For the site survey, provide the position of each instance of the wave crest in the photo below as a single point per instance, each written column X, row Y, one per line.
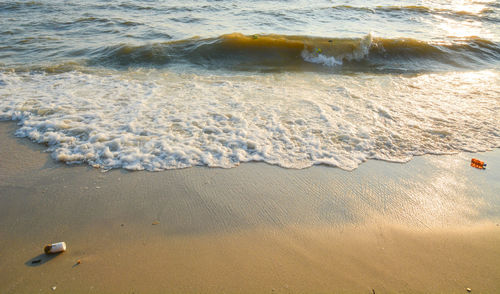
column 302, row 53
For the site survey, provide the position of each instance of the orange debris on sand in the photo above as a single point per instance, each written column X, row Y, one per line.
column 477, row 163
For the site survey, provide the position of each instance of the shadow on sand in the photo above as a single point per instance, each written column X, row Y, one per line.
column 41, row 259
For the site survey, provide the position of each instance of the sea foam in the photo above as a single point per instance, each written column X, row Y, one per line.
column 157, row 120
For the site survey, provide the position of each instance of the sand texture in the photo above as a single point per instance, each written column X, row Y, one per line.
column 427, row 226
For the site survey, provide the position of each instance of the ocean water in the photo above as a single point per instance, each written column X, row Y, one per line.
column 161, row 85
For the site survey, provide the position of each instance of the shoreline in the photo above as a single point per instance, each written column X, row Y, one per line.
column 429, row 225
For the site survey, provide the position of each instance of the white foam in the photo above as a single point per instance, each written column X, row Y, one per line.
column 358, row 53
column 163, row 120
column 319, row 58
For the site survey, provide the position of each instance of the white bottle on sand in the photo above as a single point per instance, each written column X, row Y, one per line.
column 55, row 248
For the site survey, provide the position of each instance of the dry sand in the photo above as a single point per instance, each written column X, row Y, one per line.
column 428, row 226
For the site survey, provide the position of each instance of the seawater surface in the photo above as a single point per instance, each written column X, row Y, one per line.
column 171, row 84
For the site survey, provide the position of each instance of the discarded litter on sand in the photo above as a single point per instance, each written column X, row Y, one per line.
column 477, row 163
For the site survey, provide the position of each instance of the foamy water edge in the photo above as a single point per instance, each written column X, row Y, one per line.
column 157, row 120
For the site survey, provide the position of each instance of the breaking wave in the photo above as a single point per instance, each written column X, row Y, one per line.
column 283, row 52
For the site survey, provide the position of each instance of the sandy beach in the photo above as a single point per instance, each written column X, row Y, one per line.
column 427, row 226
column 250, row 146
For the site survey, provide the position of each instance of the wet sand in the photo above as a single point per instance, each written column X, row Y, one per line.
column 428, row 226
